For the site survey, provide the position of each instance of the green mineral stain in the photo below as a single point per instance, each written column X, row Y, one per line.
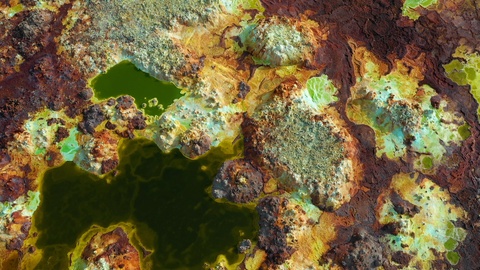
column 471, row 73
column 80, row 264
column 464, row 131
column 465, row 69
column 233, row 6
column 459, row 76
column 33, row 200
column 451, row 244
column 454, row 65
column 69, row 147
column 410, row 5
column 453, row 257
column 427, row 162
column 450, row 229
column 5, row 209
column 15, row 9
column 321, row 90
column 40, row 151
column 165, row 196
column 459, row 234
column 126, row 79
column 248, row 29
column 261, row 62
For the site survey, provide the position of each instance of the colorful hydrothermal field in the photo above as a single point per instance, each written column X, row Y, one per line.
column 239, row 134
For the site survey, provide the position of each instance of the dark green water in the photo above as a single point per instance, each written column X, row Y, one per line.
column 166, row 193
column 126, row 79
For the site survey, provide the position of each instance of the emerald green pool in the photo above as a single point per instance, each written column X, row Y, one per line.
column 126, row 79
column 165, row 194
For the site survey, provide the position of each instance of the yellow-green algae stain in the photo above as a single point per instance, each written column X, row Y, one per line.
column 165, row 196
column 400, row 112
column 12, row 11
column 150, row 94
column 465, row 70
column 236, row 6
column 409, row 6
column 321, row 90
column 464, row 131
column 430, row 229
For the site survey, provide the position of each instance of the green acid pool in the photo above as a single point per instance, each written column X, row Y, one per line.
column 165, row 194
column 153, row 95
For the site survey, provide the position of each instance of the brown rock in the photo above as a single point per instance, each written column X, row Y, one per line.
column 61, row 134
column 92, row 117
column 193, row 146
column 272, row 235
column 238, row 181
column 402, row 206
column 11, row 188
column 365, row 252
column 29, row 35
column 115, row 248
column 401, row 257
column 109, row 165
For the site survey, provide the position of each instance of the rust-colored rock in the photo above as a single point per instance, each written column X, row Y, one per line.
column 195, row 144
column 113, row 249
column 12, row 188
column 238, row 181
column 42, row 78
column 92, row 117
column 19, row 227
column 30, row 35
column 273, row 235
column 364, row 252
column 402, row 206
column 61, row 134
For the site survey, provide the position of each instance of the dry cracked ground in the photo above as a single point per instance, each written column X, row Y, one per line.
column 359, row 121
